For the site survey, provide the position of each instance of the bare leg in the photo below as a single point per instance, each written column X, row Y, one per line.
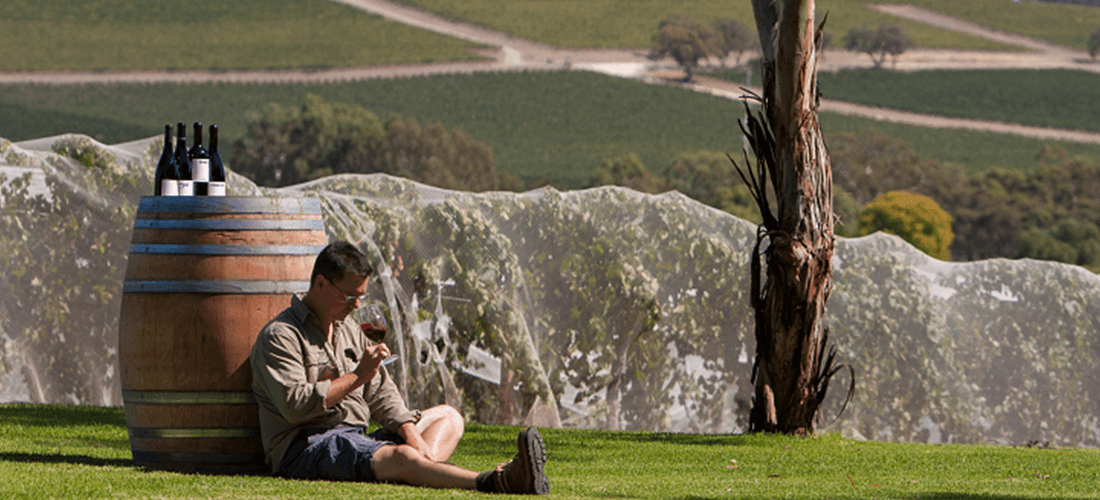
column 404, row 464
column 442, row 428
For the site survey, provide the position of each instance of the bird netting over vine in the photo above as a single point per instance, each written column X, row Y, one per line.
column 602, row 308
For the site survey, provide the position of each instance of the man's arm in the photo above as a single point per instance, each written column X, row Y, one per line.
column 279, row 375
column 411, row 434
column 340, row 387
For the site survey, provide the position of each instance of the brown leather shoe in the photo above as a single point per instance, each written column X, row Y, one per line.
column 523, row 474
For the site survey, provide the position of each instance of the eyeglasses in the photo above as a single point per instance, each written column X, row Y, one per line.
column 349, row 298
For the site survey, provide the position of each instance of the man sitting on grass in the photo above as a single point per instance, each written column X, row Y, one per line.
column 318, row 381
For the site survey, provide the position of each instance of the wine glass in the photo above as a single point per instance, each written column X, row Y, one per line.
column 373, row 323
column 374, row 326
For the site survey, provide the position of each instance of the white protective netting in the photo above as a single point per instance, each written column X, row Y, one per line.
column 603, row 308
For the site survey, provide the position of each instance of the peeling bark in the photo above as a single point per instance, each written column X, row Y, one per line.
column 791, row 369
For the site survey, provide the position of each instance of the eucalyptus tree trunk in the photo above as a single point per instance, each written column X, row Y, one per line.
column 791, row 370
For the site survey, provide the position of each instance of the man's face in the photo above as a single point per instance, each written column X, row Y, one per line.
column 336, row 294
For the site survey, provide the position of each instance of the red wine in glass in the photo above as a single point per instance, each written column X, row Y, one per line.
column 373, row 323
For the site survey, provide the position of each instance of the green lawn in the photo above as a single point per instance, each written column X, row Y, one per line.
column 83, row 452
column 75, row 35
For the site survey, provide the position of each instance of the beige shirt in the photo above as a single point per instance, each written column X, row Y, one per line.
column 293, row 365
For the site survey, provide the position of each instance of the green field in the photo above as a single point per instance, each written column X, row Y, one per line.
column 555, row 126
column 1057, row 98
column 83, row 452
column 71, row 35
column 1064, row 24
column 632, row 23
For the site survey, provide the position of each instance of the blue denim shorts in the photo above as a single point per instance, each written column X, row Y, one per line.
column 340, row 454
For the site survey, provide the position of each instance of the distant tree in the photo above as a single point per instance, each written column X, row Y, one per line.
column 627, row 171
column 431, row 155
column 1071, row 241
column 736, row 38
column 847, row 212
column 284, row 146
column 870, row 164
column 289, row 145
column 915, row 218
column 1094, row 43
column 687, row 42
column 887, row 41
column 710, row 178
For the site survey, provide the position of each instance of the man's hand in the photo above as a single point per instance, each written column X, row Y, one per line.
column 411, row 433
column 373, row 356
column 367, row 369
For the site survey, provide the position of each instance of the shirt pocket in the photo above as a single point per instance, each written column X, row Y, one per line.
column 317, row 365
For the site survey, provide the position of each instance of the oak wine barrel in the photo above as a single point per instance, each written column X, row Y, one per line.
column 204, row 275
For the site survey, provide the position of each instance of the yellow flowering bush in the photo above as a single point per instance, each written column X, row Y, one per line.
column 916, row 218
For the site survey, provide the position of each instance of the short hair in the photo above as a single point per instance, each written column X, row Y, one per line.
column 338, row 259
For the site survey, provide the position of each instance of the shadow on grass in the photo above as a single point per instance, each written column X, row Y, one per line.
column 55, row 458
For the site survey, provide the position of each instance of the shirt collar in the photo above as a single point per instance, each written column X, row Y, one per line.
column 302, row 312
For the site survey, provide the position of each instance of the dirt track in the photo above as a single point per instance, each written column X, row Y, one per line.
column 509, row 53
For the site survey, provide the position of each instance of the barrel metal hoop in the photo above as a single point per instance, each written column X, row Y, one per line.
column 216, row 286
column 232, row 224
column 234, row 205
column 238, row 250
column 187, row 397
column 193, row 432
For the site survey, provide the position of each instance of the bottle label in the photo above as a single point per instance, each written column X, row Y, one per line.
column 169, row 187
column 186, row 188
column 200, row 169
column 215, row 189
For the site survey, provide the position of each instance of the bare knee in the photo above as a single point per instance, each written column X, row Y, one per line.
column 397, row 462
column 446, row 416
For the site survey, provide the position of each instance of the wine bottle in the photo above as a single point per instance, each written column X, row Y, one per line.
column 217, row 167
column 166, row 178
column 200, row 164
column 183, row 161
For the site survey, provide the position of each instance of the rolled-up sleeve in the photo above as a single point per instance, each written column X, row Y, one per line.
column 387, row 407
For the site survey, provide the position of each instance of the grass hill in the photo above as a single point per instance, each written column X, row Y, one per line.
column 556, row 126
column 72, row 35
column 627, row 24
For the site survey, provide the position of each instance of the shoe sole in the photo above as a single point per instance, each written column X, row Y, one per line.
column 531, row 441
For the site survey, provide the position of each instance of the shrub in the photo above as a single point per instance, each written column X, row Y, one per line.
column 915, row 218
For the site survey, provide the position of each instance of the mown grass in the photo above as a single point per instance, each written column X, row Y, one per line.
column 83, row 452
column 1047, row 98
column 632, row 23
column 556, row 126
column 73, row 35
